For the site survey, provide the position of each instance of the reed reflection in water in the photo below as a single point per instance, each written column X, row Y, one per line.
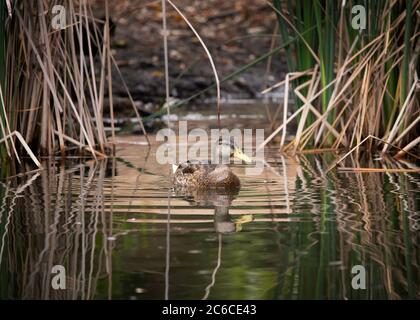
column 293, row 232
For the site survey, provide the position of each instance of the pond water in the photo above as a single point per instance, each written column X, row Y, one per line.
column 292, row 232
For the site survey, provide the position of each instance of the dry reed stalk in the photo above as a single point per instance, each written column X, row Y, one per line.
column 371, row 170
column 6, row 131
column 408, row 147
column 165, row 54
column 107, row 41
column 216, row 77
column 373, row 76
column 52, row 95
column 292, row 76
column 285, row 104
column 24, row 144
column 312, row 87
column 401, row 114
column 138, row 116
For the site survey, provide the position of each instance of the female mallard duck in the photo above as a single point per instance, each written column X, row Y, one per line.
column 197, row 175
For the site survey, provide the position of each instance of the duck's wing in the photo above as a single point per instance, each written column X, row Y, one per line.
column 188, row 168
column 187, row 175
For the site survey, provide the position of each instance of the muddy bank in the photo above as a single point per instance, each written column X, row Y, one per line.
column 236, row 32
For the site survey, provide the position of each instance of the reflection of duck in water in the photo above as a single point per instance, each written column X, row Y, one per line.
column 220, row 200
column 204, row 176
column 212, row 185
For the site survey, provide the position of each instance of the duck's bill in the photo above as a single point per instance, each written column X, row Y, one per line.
column 242, row 156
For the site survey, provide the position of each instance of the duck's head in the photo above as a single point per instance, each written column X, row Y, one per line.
column 226, row 148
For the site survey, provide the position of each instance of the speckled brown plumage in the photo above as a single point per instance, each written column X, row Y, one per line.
column 200, row 176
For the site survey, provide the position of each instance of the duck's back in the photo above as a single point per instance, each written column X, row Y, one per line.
column 205, row 176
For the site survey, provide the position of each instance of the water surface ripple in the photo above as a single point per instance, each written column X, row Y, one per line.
column 292, row 232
